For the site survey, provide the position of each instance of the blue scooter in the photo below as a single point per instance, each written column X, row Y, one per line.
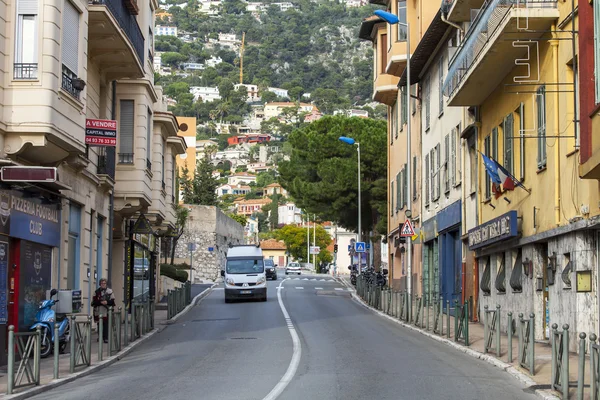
column 46, row 317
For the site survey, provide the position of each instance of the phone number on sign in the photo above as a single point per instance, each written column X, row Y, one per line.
column 103, row 141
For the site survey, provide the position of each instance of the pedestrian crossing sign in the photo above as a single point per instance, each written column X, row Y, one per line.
column 359, row 247
column 407, row 229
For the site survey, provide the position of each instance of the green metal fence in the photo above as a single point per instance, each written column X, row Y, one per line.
column 28, row 354
column 526, row 329
column 177, row 300
column 560, row 360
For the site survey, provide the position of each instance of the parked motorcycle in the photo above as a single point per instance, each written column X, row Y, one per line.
column 45, row 318
column 381, row 277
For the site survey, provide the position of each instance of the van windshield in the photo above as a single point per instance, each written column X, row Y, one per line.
column 245, row 267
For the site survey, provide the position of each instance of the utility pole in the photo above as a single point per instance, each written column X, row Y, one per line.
column 315, row 241
column 408, row 173
column 307, row 238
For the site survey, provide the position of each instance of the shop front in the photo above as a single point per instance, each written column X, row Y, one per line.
column 431, row 271
column 450, row 246
column 142, row 258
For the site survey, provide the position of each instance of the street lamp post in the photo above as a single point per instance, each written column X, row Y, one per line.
column 351, row 141
column 394, row 20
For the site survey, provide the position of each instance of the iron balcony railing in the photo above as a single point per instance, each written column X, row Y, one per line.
column 106, row 161
column 488, row 20
column 67, row 82
column 25, row 71
column 127, row 22
column 125, row 158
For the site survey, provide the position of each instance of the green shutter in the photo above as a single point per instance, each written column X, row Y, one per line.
column 436, row 270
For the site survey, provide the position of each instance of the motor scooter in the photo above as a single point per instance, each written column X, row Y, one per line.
column 45, row 318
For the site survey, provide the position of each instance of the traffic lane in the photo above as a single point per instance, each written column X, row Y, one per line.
column 349, row 352
column 216, row 351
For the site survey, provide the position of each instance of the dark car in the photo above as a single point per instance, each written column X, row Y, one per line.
column 270, row 269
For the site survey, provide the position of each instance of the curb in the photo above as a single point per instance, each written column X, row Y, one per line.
column 108, row 361
column 508, row 368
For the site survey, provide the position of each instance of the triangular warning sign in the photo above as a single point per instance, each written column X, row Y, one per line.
column 407, row 229
column 142, row 225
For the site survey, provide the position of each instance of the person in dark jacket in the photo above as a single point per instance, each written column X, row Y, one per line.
column 103, row 299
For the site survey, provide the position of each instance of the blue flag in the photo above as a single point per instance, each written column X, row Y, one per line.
column 492, row 169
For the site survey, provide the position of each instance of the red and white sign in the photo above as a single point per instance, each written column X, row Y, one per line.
column 101, row 132
column 407, row 229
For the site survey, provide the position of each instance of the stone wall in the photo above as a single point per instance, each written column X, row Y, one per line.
column 208, row 227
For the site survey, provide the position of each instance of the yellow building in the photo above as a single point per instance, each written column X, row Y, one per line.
column 276, row 250
column 536, row 246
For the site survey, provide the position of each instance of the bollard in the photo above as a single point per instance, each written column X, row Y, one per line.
column 565, row 361
column 133, row 324
column 72, row 352
column 486, row 328
column 37, row 354
column 448, row 319
column 100, row 337
column 11, row 359
column 532, row 344
column 455, row 320
column 593, row 367
column 581, row 367
column 126, row 329
column 56, row 351
column 498, row 324
column 509, row 332
column 427, row 305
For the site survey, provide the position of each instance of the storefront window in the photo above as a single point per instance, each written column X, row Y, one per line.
column 35, row 280
column 141, row 274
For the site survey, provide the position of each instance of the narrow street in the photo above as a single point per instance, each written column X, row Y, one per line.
column 242, row 351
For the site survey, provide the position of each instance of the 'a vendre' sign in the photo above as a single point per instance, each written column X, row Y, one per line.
column 492, row 231
column 101, row 132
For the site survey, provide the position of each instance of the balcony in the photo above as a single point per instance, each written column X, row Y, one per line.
column 106, row 162
column 115, row 40
column 385, row 89
column 461, row 10
column 490, row 49
column 26, row 71
column 70, row 83
column 396, row 59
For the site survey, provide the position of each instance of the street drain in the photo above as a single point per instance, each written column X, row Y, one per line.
column 214, row 319
column 242, row 338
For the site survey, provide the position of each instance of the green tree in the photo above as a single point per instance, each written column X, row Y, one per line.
column 202, row 188
column 321, row 173
column 239, row 218
column 267, row 97
column 173, row 59
column 295, row 237
column 182, row 216
column 265, row 178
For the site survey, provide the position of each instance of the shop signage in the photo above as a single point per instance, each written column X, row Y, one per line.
column 29, row 219
column 100, row 132
column 495, row 230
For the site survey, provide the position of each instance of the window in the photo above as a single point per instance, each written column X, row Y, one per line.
column 404, row 108
column 508, row 128
column 427, row 175
column 405, row 185
column 446, row 164
column 501, row 276
column 455, row 157
column 126, row 132
column 73, row 250
column 414, row 179
column 472, row 143
column 26, row 50
column 150, row 45
column 162, row 165
column 597, row 50
column 427, row 103
column 540, row 100
column 398, row 193
column 437, row 166
column 402, row 33
column 441, row 84
column 173, row 179
column 413, row 96
column 488, row 181
column 149, row 140
column 394, row 118
column 516, row 274
column 494, row 153
column 522, row 141
column 70, row 48
column 99, row 252
column 392, row 198
column 383, row 53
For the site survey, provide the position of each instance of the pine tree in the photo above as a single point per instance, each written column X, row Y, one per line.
column 202, row 188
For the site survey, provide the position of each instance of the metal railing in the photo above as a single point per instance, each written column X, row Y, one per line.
column 125, row 158
column 526, row 329
column 81, row 343
column 560, row 360
column 178, row 299
column 25, row 71
column 128, row 23
column 67, row 82
column 114, row 329
column 489, row 19
column 106, row 161
column 28, row 346
column 491, row 329
column 461, row 322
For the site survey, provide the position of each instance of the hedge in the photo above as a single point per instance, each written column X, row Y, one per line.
column 173, row 272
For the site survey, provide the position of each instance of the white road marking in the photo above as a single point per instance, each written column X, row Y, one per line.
column 297, row 353
column 299, row 287
column 339, row 288
column 305, row 279
column 318, row 288
column 313, row 279
column 330, row 280
column 218, row 288
column 322, row 280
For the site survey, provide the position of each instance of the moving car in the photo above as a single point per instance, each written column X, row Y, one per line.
column 270, row 269
column 244, row 273
column 293, row 268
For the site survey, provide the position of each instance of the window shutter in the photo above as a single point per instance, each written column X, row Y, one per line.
column 522, row 141
column 398, row 193
column 446, row 163
column 433, row 173
column 70, row 37
column 453, row 157
column 438, row 180
column 405, row 186
column 508, row 143
column 126, row 127
column 427, row 174
column 457, row 156
column 414, row 178
column 27, row 7
column 392, row 198
column 495, row 144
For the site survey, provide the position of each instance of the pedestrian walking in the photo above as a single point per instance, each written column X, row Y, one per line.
column 103, row 299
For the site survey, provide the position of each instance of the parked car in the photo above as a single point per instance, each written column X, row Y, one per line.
column 270, row 269
column 293, row 268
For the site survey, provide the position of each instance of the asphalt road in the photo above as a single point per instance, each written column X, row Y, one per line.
column 241, row 351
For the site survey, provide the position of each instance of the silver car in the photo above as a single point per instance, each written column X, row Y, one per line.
column 293, row 268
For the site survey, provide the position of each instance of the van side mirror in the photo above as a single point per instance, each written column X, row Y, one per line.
column 385, row 271
column 223, row 273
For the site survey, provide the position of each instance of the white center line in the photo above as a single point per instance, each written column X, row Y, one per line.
column 339, row 288
column 297, row 353
column 299, row 287
column 318, row 288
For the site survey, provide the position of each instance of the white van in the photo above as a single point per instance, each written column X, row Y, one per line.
column 244, row 273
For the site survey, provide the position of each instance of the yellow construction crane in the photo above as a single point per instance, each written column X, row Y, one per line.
column 242, row 58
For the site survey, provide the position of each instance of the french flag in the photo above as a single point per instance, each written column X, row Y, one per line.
column 500, row 175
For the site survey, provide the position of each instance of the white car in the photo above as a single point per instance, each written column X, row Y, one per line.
column 293, row 268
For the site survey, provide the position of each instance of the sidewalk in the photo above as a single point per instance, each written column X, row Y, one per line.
column 540, row 382
column 47, row 381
